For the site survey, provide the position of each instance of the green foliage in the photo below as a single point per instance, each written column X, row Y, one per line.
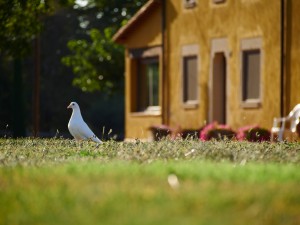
column 19, row 22
column 96, row 61
column 97, row 65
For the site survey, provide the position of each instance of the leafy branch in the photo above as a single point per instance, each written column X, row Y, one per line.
column 98, row 64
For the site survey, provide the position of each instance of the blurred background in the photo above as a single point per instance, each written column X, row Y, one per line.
column 53, row 52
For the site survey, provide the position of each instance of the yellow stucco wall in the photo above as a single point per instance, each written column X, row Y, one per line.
column 293, row 55
column 146, row 33
column 235, row 20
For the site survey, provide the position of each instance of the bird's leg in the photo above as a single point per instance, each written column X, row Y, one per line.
column 77, row 144
column 80, row 143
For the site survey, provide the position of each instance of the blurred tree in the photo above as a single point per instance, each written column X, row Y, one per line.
column 56, row 26
column 19, row 24
column 97, row 62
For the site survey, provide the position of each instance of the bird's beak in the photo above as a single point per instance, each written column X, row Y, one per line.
column 69, row 107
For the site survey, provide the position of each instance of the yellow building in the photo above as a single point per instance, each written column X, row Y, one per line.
column 191, row 62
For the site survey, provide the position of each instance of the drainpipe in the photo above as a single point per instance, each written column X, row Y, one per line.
column 165, row 81
column 283, row 57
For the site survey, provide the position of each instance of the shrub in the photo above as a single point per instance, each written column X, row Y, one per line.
column 253, row 133
column 216, row 131
column 243, row 132
column 160, row 131
column 190, row 133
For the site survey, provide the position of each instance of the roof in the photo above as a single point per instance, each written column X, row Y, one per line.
column 141, row 13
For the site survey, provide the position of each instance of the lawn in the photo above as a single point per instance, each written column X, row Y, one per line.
column 54, row 181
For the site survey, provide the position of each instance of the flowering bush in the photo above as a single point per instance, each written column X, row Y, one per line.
column 160, row 131
column 190, row 133
column 253, row 133
column 243, row 132
column 216, row 131
column 213, row 130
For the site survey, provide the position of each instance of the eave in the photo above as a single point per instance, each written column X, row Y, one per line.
column 121, row 34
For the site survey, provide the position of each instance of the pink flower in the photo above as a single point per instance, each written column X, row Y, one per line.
column 215, row 130
column 242, row 132
column 206, row 129
column 253, row 133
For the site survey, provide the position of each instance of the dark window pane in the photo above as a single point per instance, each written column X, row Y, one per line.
column 153, row 88
column 148, row 84
column 190, row 78
column 251, row 74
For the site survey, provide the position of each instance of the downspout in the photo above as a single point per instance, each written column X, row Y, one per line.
column 165, row 81
column 283, row 57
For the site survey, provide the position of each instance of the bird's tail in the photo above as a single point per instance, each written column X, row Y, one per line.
column 96, row 139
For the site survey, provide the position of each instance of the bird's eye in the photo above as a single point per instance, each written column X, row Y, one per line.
column 73, row 104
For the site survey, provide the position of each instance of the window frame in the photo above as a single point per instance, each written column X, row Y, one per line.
column 137, row 56
column 218, row 1
column 186, row 52
column 248, row 45
column 189, row 4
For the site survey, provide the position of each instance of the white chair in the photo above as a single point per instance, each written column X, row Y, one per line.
column 293, row 118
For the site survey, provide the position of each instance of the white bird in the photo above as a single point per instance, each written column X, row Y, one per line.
column 78, row 128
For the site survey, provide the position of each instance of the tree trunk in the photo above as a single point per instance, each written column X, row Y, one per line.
column 18, row 106
column 36, row 92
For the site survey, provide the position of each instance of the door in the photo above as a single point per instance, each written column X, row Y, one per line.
column 219, row 88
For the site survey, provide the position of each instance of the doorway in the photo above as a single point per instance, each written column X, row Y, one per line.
column 218, row 92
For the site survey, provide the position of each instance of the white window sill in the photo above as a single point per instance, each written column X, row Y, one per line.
column 150, row 111
column 190, row 104
column 251, row 103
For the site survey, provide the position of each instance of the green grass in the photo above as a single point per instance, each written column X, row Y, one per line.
column 55, row 181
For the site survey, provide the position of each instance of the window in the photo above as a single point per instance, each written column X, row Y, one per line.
column 189, row 4
column 190, row 79
column 148, row 84
column 251, row 72
column 190, row 75
column 144, row 80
